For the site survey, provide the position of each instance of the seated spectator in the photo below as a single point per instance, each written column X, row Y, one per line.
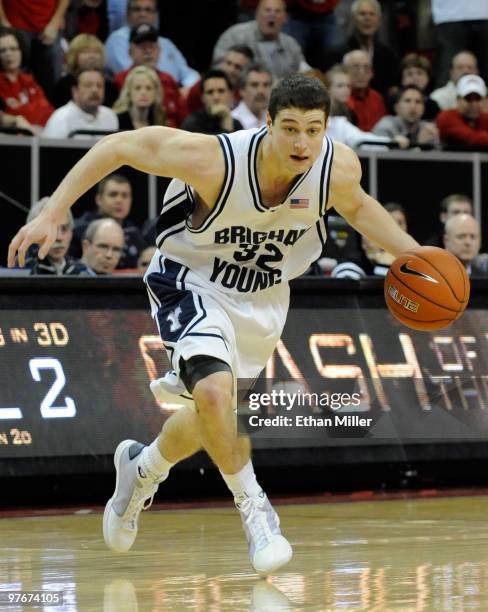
column 409, row 108
column 39, row 23
column 113, row 200
column 339, row 126
column 373, row 260
column 462, row 238
column 367, row 104
column 145, row 258
column 56, row 262
column 84, row 52
column 86, row 17
column 103, row 245
column 145, row 50
column 170, row 58
column 463, row 63
column 140, row 101
column 255, row 91
column 233, row 63
column 454, row 204
column 466, row 128
column 279, row 52
column 85, row 110
column 416, row 70
column 366, row 20
column 20, row 95
column 215, row 117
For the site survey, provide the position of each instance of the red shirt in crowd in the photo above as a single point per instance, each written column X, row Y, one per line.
column 369, row 107
column 454, row 130
column 24, row 97
column 29, row 15
column 174, row 104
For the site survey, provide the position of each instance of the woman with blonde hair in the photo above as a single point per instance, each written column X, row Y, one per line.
column 85, row 51
column 140, row 100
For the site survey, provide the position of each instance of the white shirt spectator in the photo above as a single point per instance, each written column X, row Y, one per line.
column 446, row 97
column 70, row 117
column 247, row 118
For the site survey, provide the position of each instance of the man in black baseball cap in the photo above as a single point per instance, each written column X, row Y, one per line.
column 144, row 32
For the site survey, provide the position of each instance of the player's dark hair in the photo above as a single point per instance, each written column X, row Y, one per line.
column 118, row 178
column 454, row 197
column 215, row 74
column 299, row 91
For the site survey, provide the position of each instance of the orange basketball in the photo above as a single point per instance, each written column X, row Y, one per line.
column 427, row 288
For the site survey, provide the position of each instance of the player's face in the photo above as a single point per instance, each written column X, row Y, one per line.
column 257, row 90
column 115, row 201
column 464, row 240
column 340, row 87
column 142, row 93
column 63, row 240
column 297, row 137
column 410, row 107
column 415, row 76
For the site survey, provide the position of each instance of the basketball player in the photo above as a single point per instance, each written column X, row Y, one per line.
column 243, row 215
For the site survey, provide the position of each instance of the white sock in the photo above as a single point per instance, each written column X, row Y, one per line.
column 244, row 483
column 153, row 462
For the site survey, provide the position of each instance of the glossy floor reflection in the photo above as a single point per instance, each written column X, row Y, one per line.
column 411, row 555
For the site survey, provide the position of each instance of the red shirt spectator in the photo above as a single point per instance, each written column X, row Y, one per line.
column 24, row 97
column 173, row 103
column 29, row 15
column 466, row 127
column 456, row 131
column 369, row 107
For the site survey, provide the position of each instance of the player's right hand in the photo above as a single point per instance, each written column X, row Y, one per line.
column 42, row 230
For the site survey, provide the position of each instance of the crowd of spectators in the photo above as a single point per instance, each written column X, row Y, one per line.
column 83, row 68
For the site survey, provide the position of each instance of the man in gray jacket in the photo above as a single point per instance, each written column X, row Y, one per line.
column 409, row 108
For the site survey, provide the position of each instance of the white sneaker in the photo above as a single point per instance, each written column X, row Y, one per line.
column 170, row 390
column 268, row 549
column 133, row 488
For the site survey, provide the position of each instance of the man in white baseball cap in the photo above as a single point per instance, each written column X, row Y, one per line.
column 466, row 127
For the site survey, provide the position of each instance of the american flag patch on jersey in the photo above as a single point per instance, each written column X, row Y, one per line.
column 299, row 203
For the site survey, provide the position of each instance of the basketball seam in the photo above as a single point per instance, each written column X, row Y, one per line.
column 439, row 272
column 425, row 297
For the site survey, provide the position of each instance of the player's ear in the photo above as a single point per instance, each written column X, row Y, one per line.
column 269, row 122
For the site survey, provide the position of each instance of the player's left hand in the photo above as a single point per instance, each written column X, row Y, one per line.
column 42, row 230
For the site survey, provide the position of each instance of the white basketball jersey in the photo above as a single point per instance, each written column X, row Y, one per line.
column 244, row 246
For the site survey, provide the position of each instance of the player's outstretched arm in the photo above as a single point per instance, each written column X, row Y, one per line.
column 359, row 209
column 196, row 159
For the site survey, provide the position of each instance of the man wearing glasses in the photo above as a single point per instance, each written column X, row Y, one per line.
column 103, row 245
column 170, row 60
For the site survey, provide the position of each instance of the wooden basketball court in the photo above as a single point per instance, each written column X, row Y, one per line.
column 409, row 555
